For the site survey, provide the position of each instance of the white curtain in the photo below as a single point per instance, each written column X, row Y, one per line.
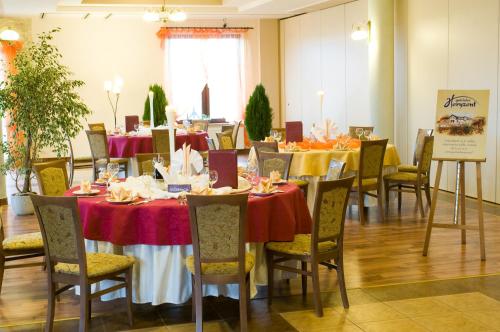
column 219, row 62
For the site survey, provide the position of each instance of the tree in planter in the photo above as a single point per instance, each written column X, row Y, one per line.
column 258, row 115
column 159, row 103
column 43, row 106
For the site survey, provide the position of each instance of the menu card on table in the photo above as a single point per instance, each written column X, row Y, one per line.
column 225, row 162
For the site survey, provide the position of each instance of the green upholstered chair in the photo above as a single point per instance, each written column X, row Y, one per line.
column 352, row 132
column 413, row 181
column 161, row 140
column 97, row 126
column 369, row 177
column 419, row 144
column 322, row 245
column 69, row 264
column 52, row 177
column 98, row 142
column 274, row 161
column 259, row 147
column 145, row 161
column 225, row 139
column 218, row 229
column 18, row 247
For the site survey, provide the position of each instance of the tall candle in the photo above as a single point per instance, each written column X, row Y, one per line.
column 171, row 127
column 151, row 109
column 321, row 95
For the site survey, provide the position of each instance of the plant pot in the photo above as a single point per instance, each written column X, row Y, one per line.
column 21, row 204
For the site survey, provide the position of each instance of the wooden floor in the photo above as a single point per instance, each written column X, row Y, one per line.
column 375, row 254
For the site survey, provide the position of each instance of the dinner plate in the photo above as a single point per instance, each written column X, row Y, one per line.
column 262, row 194
column 112, row 201
column 281, row 183
column 84, row 193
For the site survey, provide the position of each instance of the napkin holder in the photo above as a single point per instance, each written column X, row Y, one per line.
column 225, row 162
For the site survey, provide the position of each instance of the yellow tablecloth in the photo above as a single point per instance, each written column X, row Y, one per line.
column 315, row 162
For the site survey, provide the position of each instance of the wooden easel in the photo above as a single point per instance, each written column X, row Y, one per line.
column 458, row 203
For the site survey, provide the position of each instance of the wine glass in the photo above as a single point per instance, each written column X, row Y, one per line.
column 278, row 136
column 272, row 133
column 157, row 160
column 359, row 132
column 213, row 177
column 113, row 169
column 367, row 133
column 136, row 128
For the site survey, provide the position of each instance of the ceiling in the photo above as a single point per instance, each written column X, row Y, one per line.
column 194, row 8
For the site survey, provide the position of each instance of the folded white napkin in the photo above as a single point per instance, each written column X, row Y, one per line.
column 195, row 160
column 318, row 133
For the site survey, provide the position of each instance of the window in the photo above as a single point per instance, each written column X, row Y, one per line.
column 193, row 62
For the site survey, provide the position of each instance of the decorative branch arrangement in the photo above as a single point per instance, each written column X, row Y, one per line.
column 114, row 87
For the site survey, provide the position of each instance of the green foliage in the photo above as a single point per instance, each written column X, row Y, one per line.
column 258, row 115
column 159, row 103
column 43, row 105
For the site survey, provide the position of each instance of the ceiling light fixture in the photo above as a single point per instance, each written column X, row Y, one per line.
column 9, row 35
column 164, row 14
column 361, row 31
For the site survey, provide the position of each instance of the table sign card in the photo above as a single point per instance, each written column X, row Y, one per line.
column 461, row 122
column 178, row 188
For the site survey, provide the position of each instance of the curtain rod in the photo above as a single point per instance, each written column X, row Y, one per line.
column 218, row 28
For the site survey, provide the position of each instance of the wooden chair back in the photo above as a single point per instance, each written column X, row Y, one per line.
column 419, row 143
column 264, row 147
column 97, row 126
column 52, row 177
column 200, row 125
column 218, row 229
column 371, row 159
column 145, row 161
column 225, row 140
column 210, row 143
column 335, row 170
column 274, row 161
column 2, row 234
column 161, row 140
column 329, row 212
column 61, row 228
column 98, row 145
column 425, row 157
column 352, row 131
column 294, row 131
column 236, row 130
column 130, row 122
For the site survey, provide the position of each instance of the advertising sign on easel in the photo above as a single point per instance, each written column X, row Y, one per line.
column 460, row 136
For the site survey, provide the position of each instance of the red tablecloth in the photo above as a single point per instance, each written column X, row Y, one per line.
column 165, row 222
column 129, row 146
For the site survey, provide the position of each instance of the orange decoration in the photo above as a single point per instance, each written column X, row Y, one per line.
column 307, row 144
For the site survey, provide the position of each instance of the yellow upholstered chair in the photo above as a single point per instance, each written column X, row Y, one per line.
column 225, row 140
column 70, row 265
column 218, row 229
column 259, row 147
column 369, row 176
column 161, row 140
column 97, row 126
column 18, row 247
column 145, row 161
column 419, row 144
column 100, row 153
column 413, row 182
column 352, row 131
column 324, row 244
column 52, row 177
column 274, row 161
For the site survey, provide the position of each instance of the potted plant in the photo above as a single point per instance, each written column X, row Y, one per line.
column 159, row 103
column 258, row 115
column 44, row 110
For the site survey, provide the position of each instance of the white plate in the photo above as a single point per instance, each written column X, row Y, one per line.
column 83, row 193
column 112, row 201
column 282, row 182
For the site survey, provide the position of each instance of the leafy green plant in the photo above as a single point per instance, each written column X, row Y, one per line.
column 258, row 115
column 159, row 103
column 43, row 106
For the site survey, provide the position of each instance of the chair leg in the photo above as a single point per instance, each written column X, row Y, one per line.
column 318, row 307
column 361, row 207
column 340, row 275
column 198, row 298
column 304, row 279
column 386, row 189
column 128, row 281
column 243, row 304
column 400, row 197
column 193, row 301
column 418, row 191
column 248, row 294
column 2, row 269
column 84, row 308
column 428, row 193
column 380, row 204
column 51, row 289
column 270, row 277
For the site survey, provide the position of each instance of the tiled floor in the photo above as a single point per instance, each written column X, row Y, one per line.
column 458, row 305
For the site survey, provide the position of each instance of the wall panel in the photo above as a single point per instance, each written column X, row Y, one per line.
column 291, row 84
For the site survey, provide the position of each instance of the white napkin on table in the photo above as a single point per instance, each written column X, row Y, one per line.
column 194, row 159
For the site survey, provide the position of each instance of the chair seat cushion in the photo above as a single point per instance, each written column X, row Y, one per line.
column 301, row 245
column 98, row 264
column 404, row 176
column 366, row 182
column 298, row 182
column 27, row 241
column 221, row 268
column 407, row 168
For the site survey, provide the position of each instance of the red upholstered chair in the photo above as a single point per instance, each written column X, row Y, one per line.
column 225, row 162
column 294, row 131
column 130, row 121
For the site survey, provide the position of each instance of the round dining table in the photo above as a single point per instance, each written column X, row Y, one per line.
column 127, row 146
column 158, row 235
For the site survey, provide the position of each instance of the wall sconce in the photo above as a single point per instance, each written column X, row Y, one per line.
column 9, row 35
column 361, row 31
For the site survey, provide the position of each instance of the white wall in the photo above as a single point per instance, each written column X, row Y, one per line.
column 96, row 50
column 318, row 54
column 453, row 46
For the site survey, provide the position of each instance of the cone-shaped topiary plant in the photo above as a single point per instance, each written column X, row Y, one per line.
column 258, row 115
column 159, row 103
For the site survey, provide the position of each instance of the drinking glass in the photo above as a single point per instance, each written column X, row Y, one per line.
column 157, row 159
column 136, row 127
column 272, row 133
column 359, row 132
column 113, row 169
column 278, row 136
column 367, row 133
column 213, row 177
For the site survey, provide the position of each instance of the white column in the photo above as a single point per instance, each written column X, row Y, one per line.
column 381, row 66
